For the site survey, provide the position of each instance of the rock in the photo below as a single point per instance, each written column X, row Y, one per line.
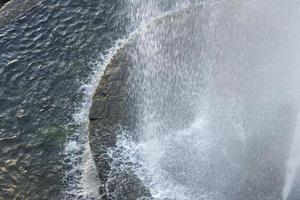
column 114, row 107
column 108, row 113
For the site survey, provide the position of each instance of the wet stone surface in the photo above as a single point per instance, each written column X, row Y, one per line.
column 111, row 113
column 175, row 61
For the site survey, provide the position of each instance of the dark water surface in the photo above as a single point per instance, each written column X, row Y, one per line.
column 45, row 57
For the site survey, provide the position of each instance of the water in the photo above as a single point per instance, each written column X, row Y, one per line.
column 216, row 87
column 51, row 59
column 46, row 57
column 217, row 98
column 292, row 164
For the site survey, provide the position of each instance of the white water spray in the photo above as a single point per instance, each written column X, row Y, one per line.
column 293, row 162
column 225, row 78
column 83, row 170
column 240, row 59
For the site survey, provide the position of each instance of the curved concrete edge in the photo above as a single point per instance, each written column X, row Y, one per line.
column 13, row 9
column 109, row 113
column 112, row 109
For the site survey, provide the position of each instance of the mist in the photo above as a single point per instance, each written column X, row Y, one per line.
column 218, row 99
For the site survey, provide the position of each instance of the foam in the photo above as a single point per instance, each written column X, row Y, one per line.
column 82, row 177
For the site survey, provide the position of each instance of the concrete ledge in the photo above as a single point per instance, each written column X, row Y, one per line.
column 114, row 107
column 109, row 112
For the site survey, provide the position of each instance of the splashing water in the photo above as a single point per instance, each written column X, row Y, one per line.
column 218, row 95
column 293, row 162
column 82, row 178
column 77, row 149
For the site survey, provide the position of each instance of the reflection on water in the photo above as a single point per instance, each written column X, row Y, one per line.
column 45, row 57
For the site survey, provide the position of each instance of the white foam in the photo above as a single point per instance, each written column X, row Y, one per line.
column 293, row 162
column 90, row 179
column 87, row 183
column 145, row 157
column 72, row 147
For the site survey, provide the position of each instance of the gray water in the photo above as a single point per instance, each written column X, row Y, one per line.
column 217, row 91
